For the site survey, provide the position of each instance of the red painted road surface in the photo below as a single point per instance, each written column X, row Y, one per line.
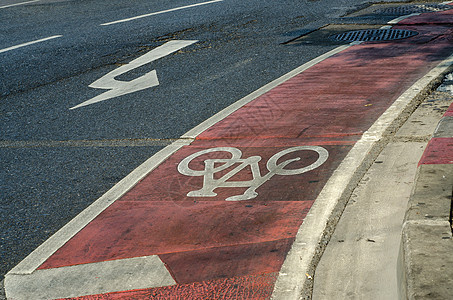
column 440, row 149
column 218, row 249
column 449, row 112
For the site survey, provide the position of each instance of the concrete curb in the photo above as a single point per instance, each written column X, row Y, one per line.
column 426, row 264
column 2, row 290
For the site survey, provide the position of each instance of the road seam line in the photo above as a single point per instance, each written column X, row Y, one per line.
column 431, row 222
column 139, row 142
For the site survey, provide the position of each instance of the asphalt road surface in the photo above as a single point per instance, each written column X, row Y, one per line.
column 190, row 59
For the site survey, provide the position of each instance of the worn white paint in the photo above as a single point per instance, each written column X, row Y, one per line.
column 210, row 183
column 118, row 88
column 16, row 4
column 30, row 43
column 89, row 279
column 160, row 12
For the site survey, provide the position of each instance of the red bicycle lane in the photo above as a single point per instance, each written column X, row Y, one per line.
column 217, row 248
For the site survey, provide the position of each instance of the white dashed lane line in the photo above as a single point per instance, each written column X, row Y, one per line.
column 16, row 4
column 30, row 43
column 160, row 12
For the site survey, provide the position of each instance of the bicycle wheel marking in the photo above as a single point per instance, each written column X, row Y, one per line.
column 274, row 168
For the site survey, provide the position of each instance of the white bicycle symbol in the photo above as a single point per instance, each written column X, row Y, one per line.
column 210, row 184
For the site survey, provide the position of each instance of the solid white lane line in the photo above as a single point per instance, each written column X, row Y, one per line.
column 160, row 12
column 16, row 4
column 30, row 43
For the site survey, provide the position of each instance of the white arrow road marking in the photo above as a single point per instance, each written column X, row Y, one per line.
column 118, row 88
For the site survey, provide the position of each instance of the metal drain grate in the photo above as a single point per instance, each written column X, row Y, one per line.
column 369, row 35
column 412, row 9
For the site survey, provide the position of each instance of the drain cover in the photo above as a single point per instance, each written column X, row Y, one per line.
column 412, row 9
column 369, row 35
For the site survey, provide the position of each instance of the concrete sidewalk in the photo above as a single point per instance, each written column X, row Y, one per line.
column 243, row 205
column 363, row 259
